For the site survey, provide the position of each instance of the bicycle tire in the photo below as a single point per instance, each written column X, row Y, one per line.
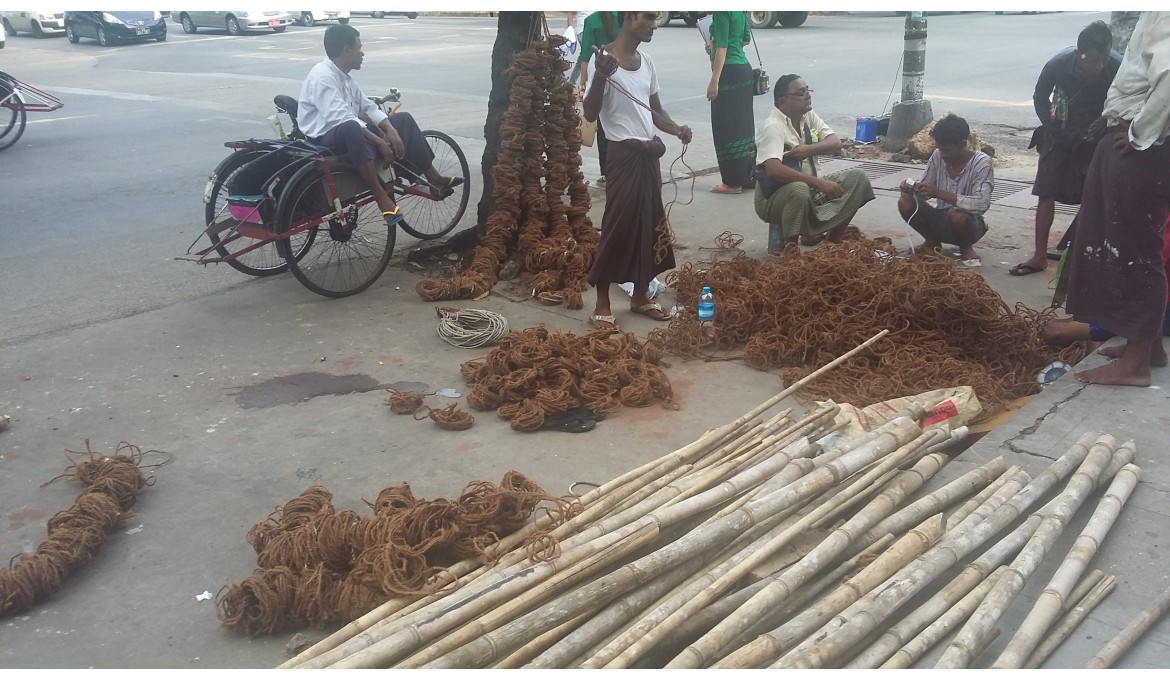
column 12, row 128
column 335, row 267
column 429, row 219
column 267, row 260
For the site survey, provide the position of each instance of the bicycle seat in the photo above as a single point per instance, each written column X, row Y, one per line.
column 287, row 104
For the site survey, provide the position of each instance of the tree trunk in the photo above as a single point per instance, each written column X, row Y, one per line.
column 514, row 29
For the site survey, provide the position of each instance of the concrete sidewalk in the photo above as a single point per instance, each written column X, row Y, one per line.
column 267, row 388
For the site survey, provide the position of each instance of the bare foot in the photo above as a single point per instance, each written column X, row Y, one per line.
column 1158, row 356
column 1114, row 374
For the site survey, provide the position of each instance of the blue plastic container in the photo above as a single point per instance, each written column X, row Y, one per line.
column 866, row 130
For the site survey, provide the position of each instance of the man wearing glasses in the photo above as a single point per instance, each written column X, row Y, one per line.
column 790, row 195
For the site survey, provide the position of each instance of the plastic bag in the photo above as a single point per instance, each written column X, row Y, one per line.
column 656, row 287
column 570, row 46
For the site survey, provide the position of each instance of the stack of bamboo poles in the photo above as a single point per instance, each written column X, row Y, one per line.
column 685, row 561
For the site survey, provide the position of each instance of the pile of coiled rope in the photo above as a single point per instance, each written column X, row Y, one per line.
column 948, row 327
column 317, row 565
column 111, row 485
column 411, row 404
column 536, row 372
column 471, row 328
column 539, row 162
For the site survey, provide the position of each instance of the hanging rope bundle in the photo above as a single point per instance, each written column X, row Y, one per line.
column 539, row 163
column 111, row 485
column 404, row 402
column 535, row 373
column 948, row 326
column 471, row 328
column 318, row 565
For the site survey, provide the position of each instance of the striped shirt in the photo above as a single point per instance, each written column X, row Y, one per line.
column 972, row 186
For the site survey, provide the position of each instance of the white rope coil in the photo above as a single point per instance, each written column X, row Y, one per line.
column 471, row 328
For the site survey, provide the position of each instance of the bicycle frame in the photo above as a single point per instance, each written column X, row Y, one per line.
column 32, row 99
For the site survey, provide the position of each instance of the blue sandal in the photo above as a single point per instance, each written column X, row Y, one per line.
column 392, row 217
column 449, row 189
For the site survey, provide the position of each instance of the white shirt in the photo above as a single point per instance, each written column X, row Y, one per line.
column 1140, row 92
column 776, row 137
column 330, row 97
column 622, row 118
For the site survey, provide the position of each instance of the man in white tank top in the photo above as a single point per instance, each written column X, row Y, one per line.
column 635, row 243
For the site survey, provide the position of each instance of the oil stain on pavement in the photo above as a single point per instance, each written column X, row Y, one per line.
column 301, row 387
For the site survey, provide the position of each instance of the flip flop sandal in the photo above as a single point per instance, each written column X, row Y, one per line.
column 972, row 263
column 608, row 319
column 569, row 425
column 1023, row 269
column 448, row 190
column 648, row 309
column 393, row 217
column 724, row 189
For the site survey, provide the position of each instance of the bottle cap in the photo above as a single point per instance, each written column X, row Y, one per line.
column 706, row 289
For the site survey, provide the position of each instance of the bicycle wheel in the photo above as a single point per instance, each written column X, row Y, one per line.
column 428, row 218
column 12, row 114
column 263, row 261
column 350, row 252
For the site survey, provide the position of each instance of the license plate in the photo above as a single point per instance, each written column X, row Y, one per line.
column 142, row 30
column 274, row 22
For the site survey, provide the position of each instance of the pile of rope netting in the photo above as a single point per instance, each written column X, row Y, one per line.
column 948, row 327
column 318, row 565
column 535, row 372
column 111, row 485
column 539, row 162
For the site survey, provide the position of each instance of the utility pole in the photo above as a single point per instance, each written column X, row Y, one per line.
column 913, row 112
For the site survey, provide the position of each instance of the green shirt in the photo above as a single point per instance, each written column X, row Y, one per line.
column 730, row 30
column 594, row 34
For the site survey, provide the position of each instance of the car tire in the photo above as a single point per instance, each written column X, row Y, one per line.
column 188, row 25
column 233, row 25
column 377, row 15
column 663, row 19
column 343, row 20
column 102, row 38
column 307, row 19
column 71, row 35
column 412, row 15
column 162, row 38
column 278, row 29
column 36, row 30
column 762, row 20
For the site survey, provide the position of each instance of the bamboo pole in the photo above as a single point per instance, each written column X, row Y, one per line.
column 521, row 656
column 896, row 636
column 954, row 617
column 426, row 624
column 866, row 614
column 503, row 640
column 1120, row 644
column 724, row 582
column 1070, row 621
column 876, row 445
column 767, row 647
column 1051, row 602
column 968, row 507
column 939, row 500
column 1083, row 587
column 965, row 646
column 704, row 650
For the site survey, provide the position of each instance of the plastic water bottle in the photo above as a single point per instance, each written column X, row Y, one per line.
column 706, row 307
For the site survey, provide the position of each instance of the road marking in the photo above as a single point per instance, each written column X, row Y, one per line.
column 996, row 102
column 282, row 57
column 227, row 76
column 54, row 120
column 131, row 96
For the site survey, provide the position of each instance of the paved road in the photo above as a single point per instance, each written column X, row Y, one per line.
column 97, row 197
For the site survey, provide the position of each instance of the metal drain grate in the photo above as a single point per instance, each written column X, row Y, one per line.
column 1004, row 188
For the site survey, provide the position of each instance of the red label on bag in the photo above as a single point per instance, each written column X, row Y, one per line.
column 938, row 414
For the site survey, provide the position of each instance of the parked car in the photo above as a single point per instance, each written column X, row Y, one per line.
column 310, row 18
column 1, row 36
column 113, row 27
column 770, row 19
column 235, row 23
column 40, row 23
column 408, row 15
